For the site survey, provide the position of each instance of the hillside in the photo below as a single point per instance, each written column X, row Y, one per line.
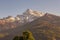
column 46, row 27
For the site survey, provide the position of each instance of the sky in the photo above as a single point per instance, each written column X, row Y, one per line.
column 15, row 7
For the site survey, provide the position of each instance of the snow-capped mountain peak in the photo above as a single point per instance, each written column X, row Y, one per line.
column 31, row 15
column 34, row 13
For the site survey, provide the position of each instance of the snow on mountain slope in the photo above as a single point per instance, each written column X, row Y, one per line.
column 30, row 15
column 34, row 13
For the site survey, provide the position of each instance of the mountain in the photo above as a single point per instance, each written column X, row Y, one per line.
column 46, row 27
column 11, row 22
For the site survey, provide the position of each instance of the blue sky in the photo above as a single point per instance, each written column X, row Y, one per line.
column 14, row 7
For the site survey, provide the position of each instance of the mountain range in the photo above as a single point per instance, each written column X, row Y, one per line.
column 44, row 26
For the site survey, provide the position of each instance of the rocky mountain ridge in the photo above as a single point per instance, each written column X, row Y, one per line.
column 12, row 22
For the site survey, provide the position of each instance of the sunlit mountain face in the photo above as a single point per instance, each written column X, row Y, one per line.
column 44, row 26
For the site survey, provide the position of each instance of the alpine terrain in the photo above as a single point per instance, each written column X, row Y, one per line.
column 44, row 26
